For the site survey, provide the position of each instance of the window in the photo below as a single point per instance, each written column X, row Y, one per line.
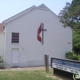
column 15, row 37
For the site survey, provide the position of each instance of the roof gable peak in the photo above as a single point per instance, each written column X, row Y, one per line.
column 42, row 6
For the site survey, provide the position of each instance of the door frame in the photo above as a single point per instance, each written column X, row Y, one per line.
column 18, row 57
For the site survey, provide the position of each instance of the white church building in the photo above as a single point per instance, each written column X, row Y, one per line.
column 27, row 36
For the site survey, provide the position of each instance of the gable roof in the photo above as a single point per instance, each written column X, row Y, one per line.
column 1, row 27
column 19, row 14
column 42, row 7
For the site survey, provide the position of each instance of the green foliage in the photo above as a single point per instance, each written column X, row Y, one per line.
column 1, row 60
column 72, row 55
column 70, row 15
column 76, row 42
column 77, row 57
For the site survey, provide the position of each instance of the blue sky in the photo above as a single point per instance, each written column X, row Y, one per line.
column 9, row 8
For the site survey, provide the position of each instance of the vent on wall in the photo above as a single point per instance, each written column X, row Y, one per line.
column 68, row 42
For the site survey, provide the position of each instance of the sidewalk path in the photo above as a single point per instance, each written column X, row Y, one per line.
column 26, row 68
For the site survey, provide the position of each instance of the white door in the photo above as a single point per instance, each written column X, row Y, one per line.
column 15, row 57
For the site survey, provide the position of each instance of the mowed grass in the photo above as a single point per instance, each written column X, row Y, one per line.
column 27, row 75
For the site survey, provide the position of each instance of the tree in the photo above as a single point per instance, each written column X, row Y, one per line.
column 76, row 42
column 70, row 16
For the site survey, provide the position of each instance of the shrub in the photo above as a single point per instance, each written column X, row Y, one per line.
column 70, row 55
column 77, row 57
column 1, row 60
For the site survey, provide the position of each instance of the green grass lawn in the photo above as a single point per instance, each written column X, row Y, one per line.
column 27, row 75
